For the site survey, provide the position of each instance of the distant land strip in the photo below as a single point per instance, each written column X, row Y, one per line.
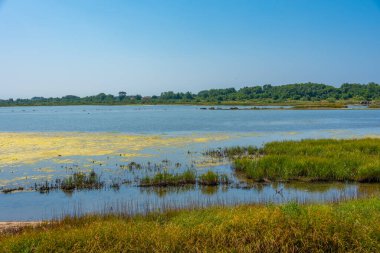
column 298, row 94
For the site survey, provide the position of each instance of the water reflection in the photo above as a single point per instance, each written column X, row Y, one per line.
column 132, row 199
column 163, row 191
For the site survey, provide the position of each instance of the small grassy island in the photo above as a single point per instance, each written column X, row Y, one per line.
column 308, row 160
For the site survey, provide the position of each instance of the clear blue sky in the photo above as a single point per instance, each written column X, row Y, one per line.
column 84, row 47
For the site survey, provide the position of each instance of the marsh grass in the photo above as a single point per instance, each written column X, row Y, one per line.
column 80, row 181
column 167, row 179
column 76, row 181
column 233, row 152
column 318, row 160
column 189, row 177
column 211, row 178
column 352, row 226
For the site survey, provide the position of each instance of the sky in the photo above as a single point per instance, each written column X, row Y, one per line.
column 83, row 47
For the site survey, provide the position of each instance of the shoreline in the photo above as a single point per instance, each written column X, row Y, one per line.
column 15, row 226
column 259, row 106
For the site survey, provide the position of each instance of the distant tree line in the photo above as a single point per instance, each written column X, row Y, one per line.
column 267, row 93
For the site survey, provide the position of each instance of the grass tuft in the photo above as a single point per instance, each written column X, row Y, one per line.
column 211, row 178
column 80, row 181
column 166, row 179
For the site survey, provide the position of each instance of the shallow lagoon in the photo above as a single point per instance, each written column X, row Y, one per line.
column 41, row 144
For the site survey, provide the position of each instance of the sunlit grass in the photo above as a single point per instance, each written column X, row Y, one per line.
column 168, row 179
column 233, row 152
column 329, row 159
column 80, row 180
column 353, row 226
column 212, row 178
column 188, row 177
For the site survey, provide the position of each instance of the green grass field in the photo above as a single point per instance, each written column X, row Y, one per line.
column 352, row 226
column 319, row 160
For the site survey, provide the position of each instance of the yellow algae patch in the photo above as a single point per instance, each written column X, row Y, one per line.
column 210, row 163
column 4, row 182
column 63, row 161
column 46, row 170
column 27, row 148
column 40, row 177
column 131, row 155
column 128, row 157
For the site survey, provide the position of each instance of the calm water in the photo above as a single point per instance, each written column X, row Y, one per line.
column 253, row 127
column 183, row 119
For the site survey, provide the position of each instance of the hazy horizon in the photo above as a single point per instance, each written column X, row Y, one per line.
column 82, row 47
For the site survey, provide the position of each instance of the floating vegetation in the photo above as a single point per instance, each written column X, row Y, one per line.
column 29, row 148
column 315, row 160
column 210, row 163
column 85, row 178
column 233, row 152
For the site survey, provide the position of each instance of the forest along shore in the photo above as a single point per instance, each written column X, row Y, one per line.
column 300, row 95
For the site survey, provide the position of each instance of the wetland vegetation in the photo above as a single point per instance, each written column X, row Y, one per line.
column 169, row 218
column 211, row 178
column 163, row 179
column 189, row 126
column 120, row 181
column 337, row 227
column 189, row 177
column 311, row 160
